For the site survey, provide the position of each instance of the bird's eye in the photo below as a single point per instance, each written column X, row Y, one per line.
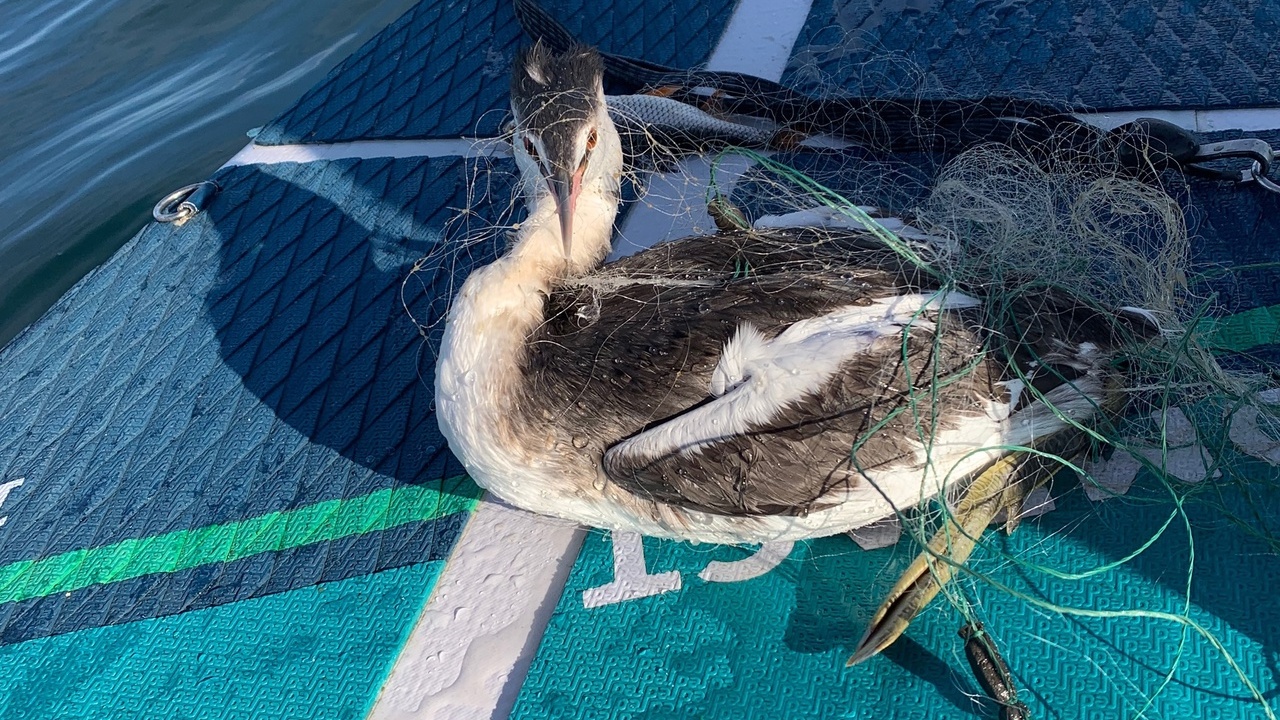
column 591, row 141
column 529, row 148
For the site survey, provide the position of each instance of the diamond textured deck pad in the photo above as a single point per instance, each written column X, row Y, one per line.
column 731, row 642
column 1104, row 54
column 314, row 653
column 237, row 409
column 442, row 70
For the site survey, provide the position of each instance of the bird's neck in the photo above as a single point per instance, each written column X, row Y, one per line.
column 501, row 304
column 516, row 284
column 486, row 335
column 539, row 248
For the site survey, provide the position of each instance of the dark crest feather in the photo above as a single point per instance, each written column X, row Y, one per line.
column 547, row 87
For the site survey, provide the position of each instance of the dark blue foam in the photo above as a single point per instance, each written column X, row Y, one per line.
column 1105, row 54
column 442, row 69
column 1231, row 224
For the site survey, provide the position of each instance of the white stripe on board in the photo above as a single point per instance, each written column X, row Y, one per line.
column 759, row 37
column 470, row 650
column 674, row 204
column 255, row 154
column 463, row 661
column 1245, row 119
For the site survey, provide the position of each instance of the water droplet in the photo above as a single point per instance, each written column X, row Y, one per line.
column 579, row 441
column 587, row 315
column 469, row 378
column 704, row 307
column 599, row 482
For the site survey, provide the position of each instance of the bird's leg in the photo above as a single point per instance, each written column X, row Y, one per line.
column 933, row 567
column 1004, row 485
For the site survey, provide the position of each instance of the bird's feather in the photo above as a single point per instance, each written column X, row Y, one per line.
column 647, row 363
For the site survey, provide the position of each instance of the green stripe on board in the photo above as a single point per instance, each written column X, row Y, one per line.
column 1251, row 328
column 283, row 530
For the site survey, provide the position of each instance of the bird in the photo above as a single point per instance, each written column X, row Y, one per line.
column 751, row 385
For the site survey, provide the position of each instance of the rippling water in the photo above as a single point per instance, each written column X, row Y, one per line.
column 106, row 105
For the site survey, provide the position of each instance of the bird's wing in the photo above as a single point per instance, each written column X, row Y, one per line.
column 791, row 418
column 635, row 343
column 835, row 374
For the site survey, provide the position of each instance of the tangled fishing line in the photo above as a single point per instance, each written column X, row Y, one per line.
column 1004, row 223
column 1010, row 226
column 1008, row 221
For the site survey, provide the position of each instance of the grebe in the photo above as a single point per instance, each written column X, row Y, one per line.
column 748, row 386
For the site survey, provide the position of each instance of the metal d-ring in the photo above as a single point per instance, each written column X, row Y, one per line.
column 1258, row 174
column 1256, row 152
column 182, row 204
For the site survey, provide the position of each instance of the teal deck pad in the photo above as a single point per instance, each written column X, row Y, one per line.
column 442, row 70
column 1103, row 54
column 161, row 594
column 775, row 646
column 318, row 653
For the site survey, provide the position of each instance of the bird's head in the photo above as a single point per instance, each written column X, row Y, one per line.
column 564, row 141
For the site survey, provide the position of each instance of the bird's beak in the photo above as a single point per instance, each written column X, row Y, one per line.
column 565, row 187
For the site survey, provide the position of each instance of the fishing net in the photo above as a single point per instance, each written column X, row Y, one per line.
column 1008, row 220
column 1191, row 430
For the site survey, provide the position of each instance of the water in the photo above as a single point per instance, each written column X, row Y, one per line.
column 107, row 105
